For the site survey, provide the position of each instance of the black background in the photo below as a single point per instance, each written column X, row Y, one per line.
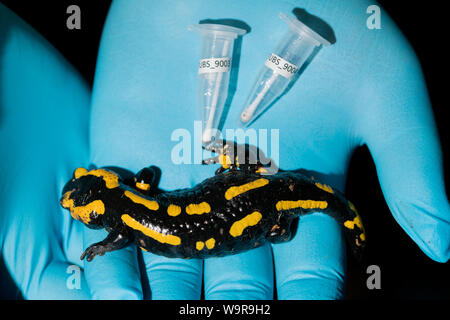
column 405, row 270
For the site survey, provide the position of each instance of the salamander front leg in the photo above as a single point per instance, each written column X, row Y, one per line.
column 114, row 241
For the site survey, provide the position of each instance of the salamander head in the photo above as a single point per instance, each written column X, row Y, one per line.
column 83, row 193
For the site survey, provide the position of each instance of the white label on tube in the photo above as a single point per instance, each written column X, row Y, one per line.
column 281, row 66
column 214, row 65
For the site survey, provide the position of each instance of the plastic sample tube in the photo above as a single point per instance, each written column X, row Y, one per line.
column 214, row 73
column 281, row 66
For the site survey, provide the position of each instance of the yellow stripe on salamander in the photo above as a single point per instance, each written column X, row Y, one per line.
column 110, row 178
column 324, row 187
column 304, row 204
column 162, row 238
column 200, row 208
column 210, row 243
column 262, row 170
column 150, row 204
column 250, row 220
column 173, row 210
column 142, row 186
column 350, row 224
column 225, row 161
column 199, row 245
column 82, row 212
column 235, row 191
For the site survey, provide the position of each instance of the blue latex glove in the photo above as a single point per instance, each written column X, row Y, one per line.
column 365, row 89
column 44, row 110
column 44, row 116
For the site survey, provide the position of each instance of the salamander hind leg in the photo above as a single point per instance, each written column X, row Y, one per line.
column 283, row 230
column 225, row 156
column 232, row 156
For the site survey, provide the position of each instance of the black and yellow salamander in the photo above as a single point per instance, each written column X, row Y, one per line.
column 238, row 209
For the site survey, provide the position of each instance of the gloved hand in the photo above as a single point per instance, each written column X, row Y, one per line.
column 44, row 112
column 367, row 88
column 145, row 90
column 44, row 116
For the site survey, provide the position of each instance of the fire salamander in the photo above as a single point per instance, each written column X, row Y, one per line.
column 239, row 208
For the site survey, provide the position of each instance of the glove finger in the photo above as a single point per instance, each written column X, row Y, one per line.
column 34, row 259
column 62, row 281
column 173, row 279
column 73, row 233
column 52, row 117
column 312, row 265
column 116, row 274
column 248, row 276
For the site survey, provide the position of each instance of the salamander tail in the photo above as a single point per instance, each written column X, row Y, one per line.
column 352, row 226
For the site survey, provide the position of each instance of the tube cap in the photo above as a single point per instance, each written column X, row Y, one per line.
column 302, row 28
column 217, row 29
